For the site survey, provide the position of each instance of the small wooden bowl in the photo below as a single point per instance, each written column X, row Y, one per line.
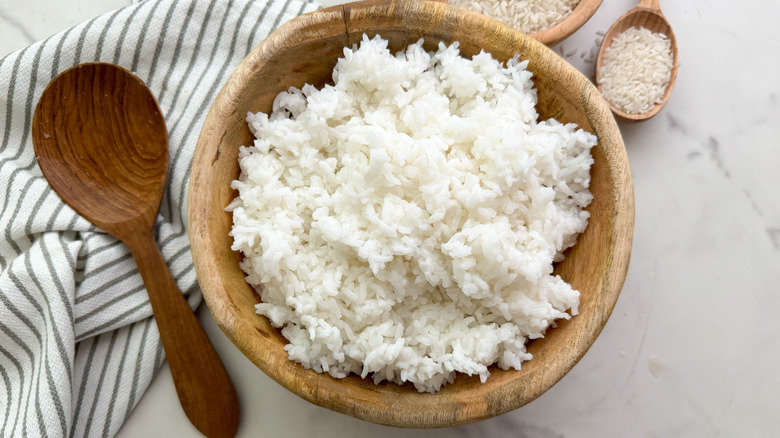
column 305, row 50
column 578, row 17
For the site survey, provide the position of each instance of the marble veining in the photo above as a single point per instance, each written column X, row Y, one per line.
column 13, row 33
column 690, row 349
column 25, row 35
column 712, row 145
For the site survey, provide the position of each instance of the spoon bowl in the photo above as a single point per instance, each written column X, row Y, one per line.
column 648, row 15
column 101, row 142
column 85, row 162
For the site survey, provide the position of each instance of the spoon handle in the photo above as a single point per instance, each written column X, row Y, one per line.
column 652, row 4
column 203, row 385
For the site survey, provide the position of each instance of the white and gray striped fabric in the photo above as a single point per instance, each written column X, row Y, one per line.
column 78, row 345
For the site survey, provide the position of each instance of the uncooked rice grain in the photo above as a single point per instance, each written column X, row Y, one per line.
column 527, row 16
column 403, row 222
column 635, row 70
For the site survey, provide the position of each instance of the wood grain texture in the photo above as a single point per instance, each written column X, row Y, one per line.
column 305, row 50
column 101, row 142
column 648, row 15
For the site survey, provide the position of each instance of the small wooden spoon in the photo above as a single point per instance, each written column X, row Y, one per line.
column 101, row 142
column 648, row 15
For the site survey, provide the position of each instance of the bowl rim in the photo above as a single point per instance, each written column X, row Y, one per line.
column 427, row 410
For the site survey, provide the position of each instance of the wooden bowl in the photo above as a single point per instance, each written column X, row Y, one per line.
column 578, row 17
column 305, row 50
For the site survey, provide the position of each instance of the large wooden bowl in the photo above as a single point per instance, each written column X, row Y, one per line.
column 305, row 50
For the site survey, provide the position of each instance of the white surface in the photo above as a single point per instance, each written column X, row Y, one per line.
column 25, row 22
column 691, row 348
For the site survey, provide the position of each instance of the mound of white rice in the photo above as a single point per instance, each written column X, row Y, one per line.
column 403, row 222
column 527, row 16
column 635, row 70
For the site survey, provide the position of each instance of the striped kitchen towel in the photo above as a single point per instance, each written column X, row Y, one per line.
column 78, row 345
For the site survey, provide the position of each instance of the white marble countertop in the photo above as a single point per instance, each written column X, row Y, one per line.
column 691, row 347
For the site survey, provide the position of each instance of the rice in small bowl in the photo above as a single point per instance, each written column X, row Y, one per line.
column 548, row 21
column 305, row 50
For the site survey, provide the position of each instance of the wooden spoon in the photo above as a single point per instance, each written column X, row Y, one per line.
column 101, row 142
column 648, row 15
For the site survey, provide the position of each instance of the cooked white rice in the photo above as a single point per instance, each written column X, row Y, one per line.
column 527, row 16
column 403, row 222
column 636, row 69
